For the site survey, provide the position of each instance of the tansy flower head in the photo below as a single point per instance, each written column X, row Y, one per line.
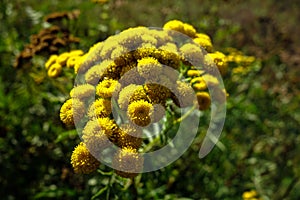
column 149, row 67
column 139, row 94
column 129, row 136
column 82, row 91
column 76, row 53
column 50, row 61
column 194, row 72
column 94, row 137
column 149, row 39
column 203, row 100
column 200, row 86
column 169, row 58
column 100, row 108
column 128, row 162
column 191, row 54
column 198, row 83
column 139, row 112
column 112, row 71
column 143, row 52
column 72, row 111
column 130, row 75
column 97, row 72
column 121, row 56
column 79, row 62
column 82, row 161
column 219, row 59
column 71, row 62
column 62, row 58
column 171, row 47
column 175, row 25
column 107, row 87
column 179, row 26
column 204, row 41
column 189, row 30
column 54, row 70
column 210, row 80
column 157, row 93
column 109, row 126
column 108, row 47
column 250, row 195
column 125, row 95
column 162, row 37
column 184, row 94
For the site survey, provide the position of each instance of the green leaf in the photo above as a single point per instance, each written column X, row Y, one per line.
column 66, row 135
column 99, row 193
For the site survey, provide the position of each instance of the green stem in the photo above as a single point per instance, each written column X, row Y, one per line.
column 184, row 116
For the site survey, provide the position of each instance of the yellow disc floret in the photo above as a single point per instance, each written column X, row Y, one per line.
column 128, row 162
column 203, row 100
column 82, row 161
column 139, row 112
column 125, row 94
column 72, row 111
column 100, row 108
column 82, row 91
column 107, row 87
column 95, row 137
column 54, row 70
column 50, row 61
column 129, row 136
column 149, row 67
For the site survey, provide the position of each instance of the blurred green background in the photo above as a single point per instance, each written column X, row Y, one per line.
column 260, row 138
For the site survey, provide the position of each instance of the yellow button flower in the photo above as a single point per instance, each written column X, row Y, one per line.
column 129, row 136
column 250, row 195
column 191, row 54
column 82, row 91
column 203, row 100
column 139, row 112
column 194, row 72
column 158, row 94
column 107, row 87
column 128, row 162
column 184, row 94
column 71, row 62
column 72, row 111
column 82, row 161
column 50, row 61
column 62, row 58
column 125, row 94
column 204, row 41
column 76, row 53
column 95, row 137
column 175, row 25
column 189, row 30
column 54, row 70
column 149, row 68
column 100, row 108
column 219, row 59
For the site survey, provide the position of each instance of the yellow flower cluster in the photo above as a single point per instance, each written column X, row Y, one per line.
column 55, row 63
column 201, row 81
column 83, row 161
column 240, row 61
column 199, row 38
column 192, row 52
column 138, row 69
column 250, row 195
